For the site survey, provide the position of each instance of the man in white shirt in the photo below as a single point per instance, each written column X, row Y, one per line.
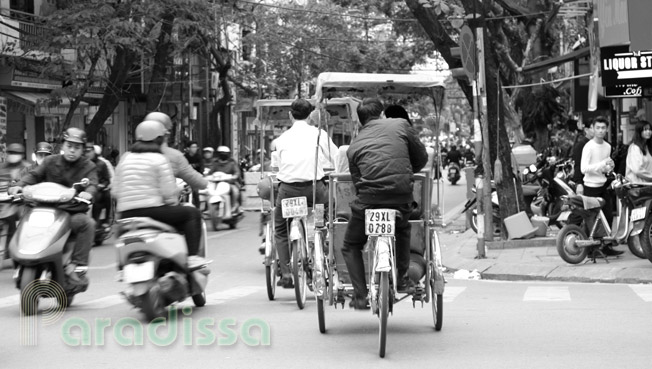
column 295, row 150
column 596, row 163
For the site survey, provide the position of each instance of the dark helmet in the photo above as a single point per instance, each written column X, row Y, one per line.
column 43, row 148
column 16, row 148
column 73, row 134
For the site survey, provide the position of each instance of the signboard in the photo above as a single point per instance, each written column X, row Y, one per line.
column 613, row 23
column 467, row 49
column 620, row 66
column 631, row 90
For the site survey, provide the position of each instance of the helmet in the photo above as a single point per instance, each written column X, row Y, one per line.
column 16, row 148
column 209, row 149
column 43, row 148
column 98, row 150
column 161, row 118
column 223, row 149
column 73, row 134
column 264, row 189
column 150, row 129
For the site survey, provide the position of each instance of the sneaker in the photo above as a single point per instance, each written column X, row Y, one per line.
column 196, row 261
column 285, row 282
column 405, row 285
column 359, row 303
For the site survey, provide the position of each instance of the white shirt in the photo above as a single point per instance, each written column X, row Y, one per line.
column 593, row 159
column 296, row 149
column 639, row 165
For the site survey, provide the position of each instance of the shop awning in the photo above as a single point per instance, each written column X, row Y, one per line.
column 44, row 104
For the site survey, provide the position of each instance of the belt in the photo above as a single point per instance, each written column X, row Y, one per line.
column 301, row 184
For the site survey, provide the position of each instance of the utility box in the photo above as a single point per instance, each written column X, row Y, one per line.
column 519, row 226
column 541, row 224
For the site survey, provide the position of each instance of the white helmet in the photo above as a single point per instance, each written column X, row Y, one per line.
column 149, row 130
column 160, row 117
column 223, row 149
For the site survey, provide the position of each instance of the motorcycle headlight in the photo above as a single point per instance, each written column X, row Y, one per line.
column 533, row 168
column 560, row 175
column 526, row 171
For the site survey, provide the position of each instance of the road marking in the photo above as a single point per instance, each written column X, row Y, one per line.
column 9, row 301
column 547, row 294
column 643, row 291
column 101, row 303
column 450, row 293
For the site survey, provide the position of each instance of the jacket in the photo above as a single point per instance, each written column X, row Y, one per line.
column 182, row 168
column 383, row 158
column 58, row 170
column 144, row 180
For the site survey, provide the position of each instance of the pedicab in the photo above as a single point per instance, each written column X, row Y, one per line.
column 273, row 116
column 330, row 275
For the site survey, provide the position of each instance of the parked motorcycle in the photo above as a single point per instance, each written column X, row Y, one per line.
column 453, row 172
column 152, row 258
column 218, row 200
column 639, row 199
column 42, row 245
column 554, row 178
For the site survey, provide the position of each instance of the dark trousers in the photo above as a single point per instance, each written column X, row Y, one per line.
column 83, row 227
column 606, row 195
column 287, row 190
column 355, row 239
column 186, row 219
column 102, row 201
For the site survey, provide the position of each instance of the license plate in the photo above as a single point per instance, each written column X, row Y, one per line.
column 133, row 273
column 638, row 214
column 563, row 216
column 379, row 222
column 294, row 207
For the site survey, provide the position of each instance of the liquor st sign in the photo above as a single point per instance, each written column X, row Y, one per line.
column 623, row 67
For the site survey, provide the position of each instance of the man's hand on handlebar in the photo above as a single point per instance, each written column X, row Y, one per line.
column 86, row 196
column 13, row 191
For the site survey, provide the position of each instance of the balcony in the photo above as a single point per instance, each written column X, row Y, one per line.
column 18, row 31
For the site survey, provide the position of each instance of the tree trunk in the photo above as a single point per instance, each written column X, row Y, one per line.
column 122, row 63
column 159, row 81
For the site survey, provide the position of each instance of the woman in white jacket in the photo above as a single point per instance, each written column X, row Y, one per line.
column 639, row 157
column 144, row 186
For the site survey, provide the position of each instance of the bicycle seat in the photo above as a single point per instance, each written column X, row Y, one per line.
column 586, row 202
column 130, row 224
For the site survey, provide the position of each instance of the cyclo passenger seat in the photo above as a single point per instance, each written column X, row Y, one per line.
column 130, row 224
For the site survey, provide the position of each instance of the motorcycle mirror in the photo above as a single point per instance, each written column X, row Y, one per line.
column 83, row 183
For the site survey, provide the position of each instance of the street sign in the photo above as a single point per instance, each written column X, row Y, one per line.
column 467, row 46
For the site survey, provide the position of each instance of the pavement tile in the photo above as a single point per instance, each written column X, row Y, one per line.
column 517, row 272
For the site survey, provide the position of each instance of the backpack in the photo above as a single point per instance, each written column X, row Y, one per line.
column 619, row 157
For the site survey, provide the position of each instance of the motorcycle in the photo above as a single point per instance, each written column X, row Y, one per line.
column 553, row 176
column 218, row 201
column 453, row 172
column 42, row 245
column 640, row 202
column 152, row 260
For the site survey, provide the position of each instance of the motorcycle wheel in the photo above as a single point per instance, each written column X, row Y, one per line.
column 644, row 237
column 199, row 299
column 29, row 291
column 214, row 212
column 634, row 244
column 474, row 223
column 65, row 300
column 566, row 247
column 152, row 304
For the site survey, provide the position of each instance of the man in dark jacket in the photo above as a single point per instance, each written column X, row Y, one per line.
column 224, row 163
column 102, row 198
column 66, row 169
column 382, row 159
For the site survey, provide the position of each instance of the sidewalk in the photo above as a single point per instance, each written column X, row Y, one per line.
column 538, row 261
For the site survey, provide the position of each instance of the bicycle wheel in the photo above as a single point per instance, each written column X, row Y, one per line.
column 319, row 280
column 383, row 311
column 271, row 265
column 298, row 272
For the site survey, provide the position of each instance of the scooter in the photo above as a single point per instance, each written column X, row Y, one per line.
column 453, row 172
column 152, row 261
column 42, row 245
column 640, row 201
column 218, row 201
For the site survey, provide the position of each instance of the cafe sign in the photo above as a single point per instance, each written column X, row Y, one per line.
column 622, row 67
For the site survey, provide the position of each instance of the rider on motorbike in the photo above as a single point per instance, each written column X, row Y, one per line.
column 180, row 166
column 102, row 198
column 453, row 156
column 225, row 164
column 42, row 150
column 144, row 186
column 67, row 169
column 208, row 155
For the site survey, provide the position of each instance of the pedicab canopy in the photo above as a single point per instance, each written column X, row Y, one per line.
column 331, row 84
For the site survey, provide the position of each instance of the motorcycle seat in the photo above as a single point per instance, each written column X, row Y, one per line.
column 130, row 224
column 530, row 190
column 586, row 202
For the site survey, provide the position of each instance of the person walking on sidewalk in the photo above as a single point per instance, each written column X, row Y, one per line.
column 596, row 164
column 639, row 156
column 383, row 158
